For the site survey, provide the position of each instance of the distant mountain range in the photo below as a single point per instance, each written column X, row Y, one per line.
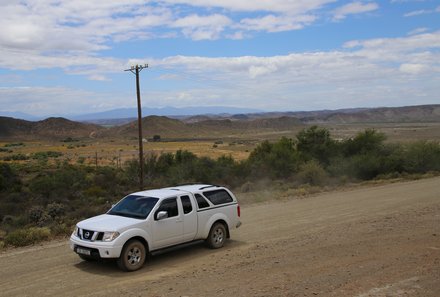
column 208, row 125
column 128, row 113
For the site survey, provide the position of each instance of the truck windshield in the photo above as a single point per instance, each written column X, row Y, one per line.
column 133, row 206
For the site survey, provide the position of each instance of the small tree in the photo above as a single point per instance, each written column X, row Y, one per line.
column 369, row 141
column 315, row 143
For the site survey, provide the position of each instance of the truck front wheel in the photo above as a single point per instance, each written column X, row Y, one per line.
column 132, row 256
column 217, row 236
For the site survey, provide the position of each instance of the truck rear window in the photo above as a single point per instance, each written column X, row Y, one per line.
column 218, row 196
column 186, row 203
column 201, row 202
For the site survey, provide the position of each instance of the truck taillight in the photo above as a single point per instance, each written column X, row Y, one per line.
column 238, row 210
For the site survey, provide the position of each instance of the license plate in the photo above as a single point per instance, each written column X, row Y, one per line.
column 83, row 251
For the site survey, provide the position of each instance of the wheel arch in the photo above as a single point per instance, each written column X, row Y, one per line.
column 224, row 224
column 142, row 240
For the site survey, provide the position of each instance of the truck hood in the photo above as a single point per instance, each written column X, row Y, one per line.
column 107, row 222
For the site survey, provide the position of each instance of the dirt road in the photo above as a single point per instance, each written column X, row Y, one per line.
column 376, row 241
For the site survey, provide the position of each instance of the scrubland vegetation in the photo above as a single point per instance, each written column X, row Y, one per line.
column 41, row 200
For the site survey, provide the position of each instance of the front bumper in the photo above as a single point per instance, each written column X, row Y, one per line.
column 97, row 249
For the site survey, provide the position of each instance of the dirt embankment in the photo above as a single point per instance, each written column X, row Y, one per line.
column 378, row 241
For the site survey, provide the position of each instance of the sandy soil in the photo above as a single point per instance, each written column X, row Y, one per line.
column 377, row 241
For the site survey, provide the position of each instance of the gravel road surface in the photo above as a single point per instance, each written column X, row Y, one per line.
column 371, row 241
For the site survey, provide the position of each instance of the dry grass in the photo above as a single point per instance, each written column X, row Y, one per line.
column 117, row 152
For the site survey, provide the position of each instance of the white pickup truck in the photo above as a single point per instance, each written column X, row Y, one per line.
column 152, row 220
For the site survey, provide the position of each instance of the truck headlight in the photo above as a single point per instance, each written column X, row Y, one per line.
column 75, row 231
column 110, row 236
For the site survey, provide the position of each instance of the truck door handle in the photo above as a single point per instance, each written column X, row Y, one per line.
column 179, row 220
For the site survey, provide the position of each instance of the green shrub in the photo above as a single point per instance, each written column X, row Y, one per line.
column 69, row 139
column 366, row 166
column 14, row 144
column 316, row 143
column 421, row 157
column 9, row 179
column 275, row 160
column 23, row 237
column 8, row 220
column 16, row 157
column 35, row 214
column 60, row 229
column 46, row 155
column 364, row 142
column 55, row 210
column 94, row 191
column 312, row 173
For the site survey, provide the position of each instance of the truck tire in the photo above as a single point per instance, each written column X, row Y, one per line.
column 132, row 256
column 217, row 236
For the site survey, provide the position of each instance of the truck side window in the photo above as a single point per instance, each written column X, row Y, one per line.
column 186, row 203
column 218, row 197
column 170, row 206
column 201, row 202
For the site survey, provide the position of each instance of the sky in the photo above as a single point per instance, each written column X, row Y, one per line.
column 68, row 57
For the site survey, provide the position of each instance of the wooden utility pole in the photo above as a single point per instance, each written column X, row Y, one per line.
column 135, row 70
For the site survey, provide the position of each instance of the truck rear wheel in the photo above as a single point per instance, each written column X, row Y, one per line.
column 133, row 256
column 217, row 236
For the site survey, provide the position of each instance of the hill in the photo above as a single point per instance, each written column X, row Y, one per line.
column 406, row 114
column 151, row 125
column 209, row 126
column 51, row 128
column 201, row 128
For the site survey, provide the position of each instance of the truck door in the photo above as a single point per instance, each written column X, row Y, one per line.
column 189, row 218
column 168, row 231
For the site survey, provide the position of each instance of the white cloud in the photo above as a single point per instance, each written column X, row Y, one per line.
column 378, row 71
column 70, row 35
column 353, row 8
column 280, row 6
column 413, row 68
column 203, row 27
column 77, row 25
column 418, row 31
column 417, row 12
column 45, row 100
column 51, row 33
column 421, row 12
column 272, row 23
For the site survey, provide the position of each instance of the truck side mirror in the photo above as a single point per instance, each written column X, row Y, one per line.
column 162, row 215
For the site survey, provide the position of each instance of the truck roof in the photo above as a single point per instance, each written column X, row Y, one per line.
column 159, row 193
column 173, row 191
column 194, row 187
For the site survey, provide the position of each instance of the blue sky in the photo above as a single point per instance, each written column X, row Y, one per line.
column 67, row 57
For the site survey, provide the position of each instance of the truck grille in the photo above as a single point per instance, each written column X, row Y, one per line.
column 90, row 235
column 87, row 234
